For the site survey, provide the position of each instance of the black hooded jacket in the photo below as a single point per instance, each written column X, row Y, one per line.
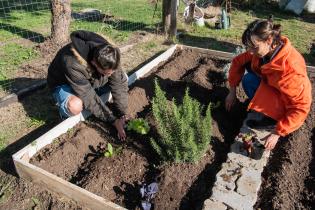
column 72, row 66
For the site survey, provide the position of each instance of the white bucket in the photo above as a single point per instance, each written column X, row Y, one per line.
column 198, row 16
column 200, row 21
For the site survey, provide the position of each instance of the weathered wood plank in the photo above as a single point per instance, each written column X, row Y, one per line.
column 148, row 67
column 60, row 186
column 215, row 53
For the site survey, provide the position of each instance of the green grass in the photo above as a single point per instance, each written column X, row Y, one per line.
column 13, row 56
column 128, row 16
column 6, row 188
column 35, row 122
column 33, row 21
column 3, row 141
column 149, row 45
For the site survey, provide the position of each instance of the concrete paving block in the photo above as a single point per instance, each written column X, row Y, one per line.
column 249, row 183
column 247, row 162
column 232, row 199
column 258, row 150
column 210, row 204
column 227, row 176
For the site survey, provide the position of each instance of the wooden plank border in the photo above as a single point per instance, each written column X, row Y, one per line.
column 58, row 185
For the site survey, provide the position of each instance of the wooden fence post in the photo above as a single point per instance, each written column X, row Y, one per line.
column 173, row 25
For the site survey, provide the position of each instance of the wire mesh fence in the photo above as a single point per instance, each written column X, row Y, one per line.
column 26, row 23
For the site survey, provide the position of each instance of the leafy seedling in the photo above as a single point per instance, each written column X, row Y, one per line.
column 109, row 152
column 248, row 140
column 139, row 125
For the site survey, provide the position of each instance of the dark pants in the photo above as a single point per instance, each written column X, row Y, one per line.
column 250, row 83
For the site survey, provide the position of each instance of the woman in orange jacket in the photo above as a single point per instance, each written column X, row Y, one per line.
column 276, row 80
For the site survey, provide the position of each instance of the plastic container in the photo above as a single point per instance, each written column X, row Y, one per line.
column 198, row 16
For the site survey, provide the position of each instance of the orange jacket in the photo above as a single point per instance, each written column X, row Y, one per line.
column 284, row 93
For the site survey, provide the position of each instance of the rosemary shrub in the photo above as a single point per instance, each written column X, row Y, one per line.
column 184, row 132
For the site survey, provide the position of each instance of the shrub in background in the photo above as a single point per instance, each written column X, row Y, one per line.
column 185, row 133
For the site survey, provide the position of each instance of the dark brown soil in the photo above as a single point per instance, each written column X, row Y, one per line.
column 289, row 178
column 66, row 154
column 78, row 157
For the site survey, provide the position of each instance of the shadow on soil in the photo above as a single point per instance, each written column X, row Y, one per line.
column 42, row 114
column 200, row 189
column 17, row 84
column 206, row 42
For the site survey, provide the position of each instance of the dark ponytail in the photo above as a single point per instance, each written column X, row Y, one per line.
column 262, row 29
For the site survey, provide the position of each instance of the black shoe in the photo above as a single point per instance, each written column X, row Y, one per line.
column 266, row 123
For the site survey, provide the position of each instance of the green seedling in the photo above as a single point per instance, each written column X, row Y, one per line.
column 70, row 131
column 248, row 140
column 56, row 141
column 139, row 125
column 36, row 203
column 111, row 151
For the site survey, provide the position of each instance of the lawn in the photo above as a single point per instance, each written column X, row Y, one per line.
column 30, row 20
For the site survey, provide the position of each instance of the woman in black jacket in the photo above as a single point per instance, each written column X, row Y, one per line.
column 79, row 74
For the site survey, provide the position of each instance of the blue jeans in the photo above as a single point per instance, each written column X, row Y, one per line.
column 62, row 93
column 250, row 83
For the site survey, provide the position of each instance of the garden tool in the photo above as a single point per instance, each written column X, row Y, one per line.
column 147, row 194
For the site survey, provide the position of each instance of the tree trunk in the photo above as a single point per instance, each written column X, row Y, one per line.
column 191, row 13
column 173, row 25
column 166, row 15
column 60, row 21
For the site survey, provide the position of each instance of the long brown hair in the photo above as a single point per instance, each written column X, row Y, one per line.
column 262, row 29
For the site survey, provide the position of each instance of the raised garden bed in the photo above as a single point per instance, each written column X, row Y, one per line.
column 74, row 163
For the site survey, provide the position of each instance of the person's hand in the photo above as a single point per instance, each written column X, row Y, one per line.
column 271, row 141
column 119, row 125
column 230, row 99
column 125, row 118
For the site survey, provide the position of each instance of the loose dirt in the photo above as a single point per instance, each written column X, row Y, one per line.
column 289, row 178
